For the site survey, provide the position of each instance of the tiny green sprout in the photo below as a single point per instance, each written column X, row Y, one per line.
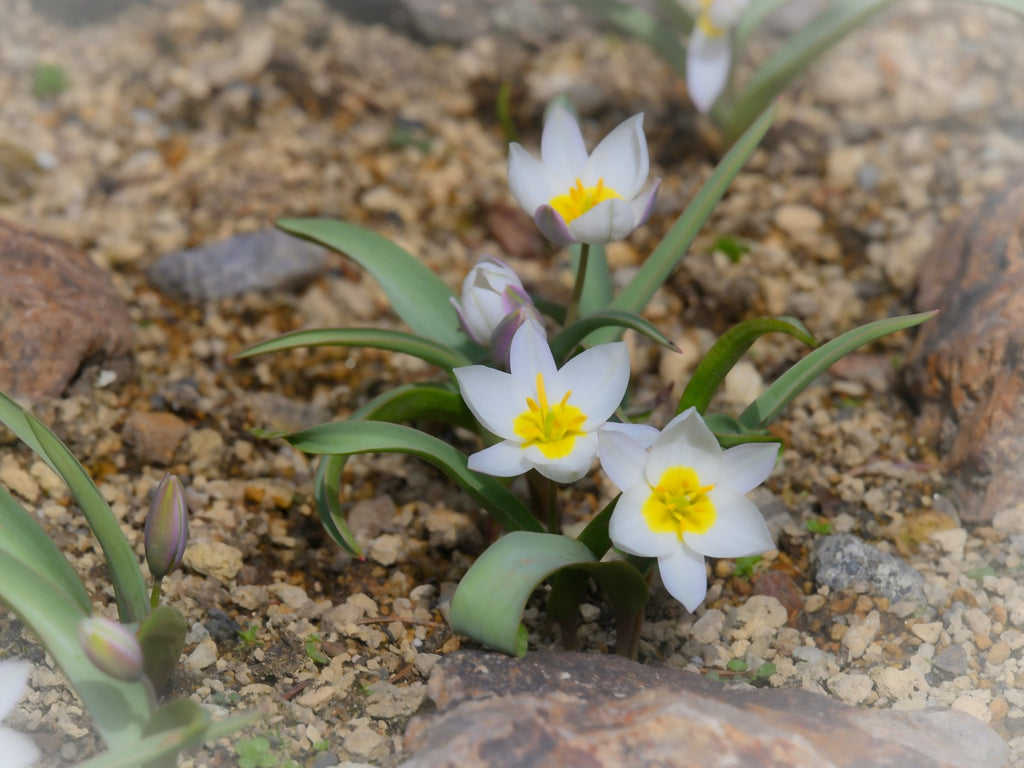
column 745, row 566
column 255, row 752
column 248, row 636
column 503, row 109
column 819, row 525
column 322, row 745
column 407, row 133
column 736, row 665
column 765, row 671
column 48, row 81
column 980, row 573
column 731, row 247
column 313, row 650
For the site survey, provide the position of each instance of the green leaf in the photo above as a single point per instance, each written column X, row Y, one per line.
column 597, row 283
column 417, row 295
column 23, row 538
column 489, row 600
column 641, row 24
column 122, row 564
column 727, row 351
column 793, row 56
column 431, row 351
column 670, row 251
column 162, row 637
column 568, row 338
column 760, row 412
column 349, row 437
column 119, row 709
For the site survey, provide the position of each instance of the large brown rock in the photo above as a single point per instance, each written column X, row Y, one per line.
column 569, row 709
column 58, row 312
column 967, row 365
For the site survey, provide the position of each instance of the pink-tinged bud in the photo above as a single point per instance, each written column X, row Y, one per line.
column 501, row 339
column 112, row 647
column 490, row 292
column 166, row 527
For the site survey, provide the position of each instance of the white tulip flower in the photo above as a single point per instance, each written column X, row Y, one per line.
column 709, row 52
column 684, row 499
column 576, row 198
column 546, row 417
column 19, row 750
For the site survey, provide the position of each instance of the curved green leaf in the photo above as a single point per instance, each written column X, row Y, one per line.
column 16, row 419
column 327, row 492
column 760, row 412
column 670, row 251
column 162, row 638
column 23, row 538
column 122, row 564
column 490, row 598
column 119, row 709
column 727, row 351
column 597, row 283
column 349, row 437
column 564, row 343
column 417, row 295
column 431, row 351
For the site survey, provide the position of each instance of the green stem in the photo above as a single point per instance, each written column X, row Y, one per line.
column 154, row 597
column 577, row 289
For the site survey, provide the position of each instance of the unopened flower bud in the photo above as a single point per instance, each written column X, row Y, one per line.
column 501, row 339
column 112, row 647
column 490, row 292
column 166, row 527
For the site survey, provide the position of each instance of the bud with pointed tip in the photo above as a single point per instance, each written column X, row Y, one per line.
column 166, row 527
column 112, row 647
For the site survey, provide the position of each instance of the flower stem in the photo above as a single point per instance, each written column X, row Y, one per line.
column 577, row 290
column 154, row 597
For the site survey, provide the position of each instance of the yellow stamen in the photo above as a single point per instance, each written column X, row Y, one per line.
column 707, row 26
column 679, row 504
column 579, row 199
column 552, row 428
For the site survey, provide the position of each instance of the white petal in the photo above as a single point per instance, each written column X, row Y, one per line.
column 598, row 378
column 529, row 181
column 739, row 529
column 604, row 223
column 622, row 457
column 708, row 60
column 746, row 466
column 685, row 442
column 553, row 226
column 629, row 530
column 505, row 459
column 570, row 468
column 13, row 678
column 562, row 150
column 530, row 355
column 644, row 434
column 621, row 159
column 643, row 205
column 684, row 576
column 494, row 397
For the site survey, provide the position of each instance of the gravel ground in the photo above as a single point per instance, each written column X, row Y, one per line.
column 187, row 122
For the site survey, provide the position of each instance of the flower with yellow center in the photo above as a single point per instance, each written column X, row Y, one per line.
column 684, row 499
column 547, row 417
column 709, row 52
column 579, row 198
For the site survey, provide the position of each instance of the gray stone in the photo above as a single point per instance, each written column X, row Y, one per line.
column 842, row 561
column 259, row 261
column 560, row 709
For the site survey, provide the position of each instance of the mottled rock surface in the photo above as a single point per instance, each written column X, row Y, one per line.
column 563, row 709
column 843, row 561
column 58, row 313
column 966, row 366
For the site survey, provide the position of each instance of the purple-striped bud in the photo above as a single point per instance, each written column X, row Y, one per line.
column 501, row 339
column 490, row 292
column 112, row 647
column 166, row 527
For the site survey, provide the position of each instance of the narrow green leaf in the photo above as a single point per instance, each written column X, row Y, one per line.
column 489, row 600
column 597, row 283
column 122, row 564
column 795, row 54
column 349, row 437
column 679, row 21
column 119, row 709
column 727, row 351
column 431, row 351
column 16, row 419
column 659, row 265
column 568, row 338
column 162, row 637
column 22, row 537
column 760, row 413
column 417, row 295
column 641, row 24
column 327, row 492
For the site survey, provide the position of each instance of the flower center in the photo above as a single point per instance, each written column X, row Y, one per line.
column 707, row 26
column 579, row 199
column 552, row 428
column 679, row 504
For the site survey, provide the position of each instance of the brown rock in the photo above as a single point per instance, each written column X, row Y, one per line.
column 965, row 366
column 154, row 436
column 58, row 313
column 567, row 709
